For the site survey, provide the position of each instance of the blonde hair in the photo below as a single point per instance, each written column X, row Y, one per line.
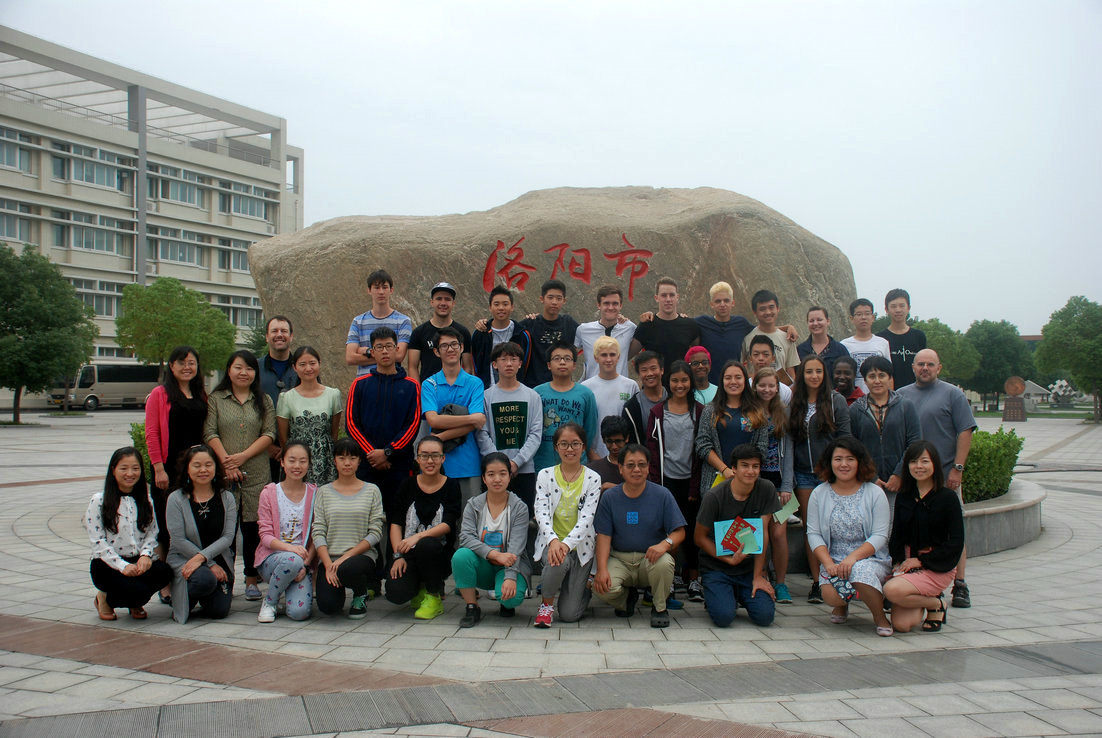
column 718, row 287
column 606, row 342
column 774, row 409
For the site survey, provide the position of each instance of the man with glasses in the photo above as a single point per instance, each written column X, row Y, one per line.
column 453, row 403
column 863, row 344
column 564, row 400
column 514, row 421
column 639, row 526
column 383, row 414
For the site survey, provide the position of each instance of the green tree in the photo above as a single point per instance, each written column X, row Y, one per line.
column 166, row 314
column 1072, row 340
column 46, row 330
column 1004, row 354
column 256, row 340
column 959, row 360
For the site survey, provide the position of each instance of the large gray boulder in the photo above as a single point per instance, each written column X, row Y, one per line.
column 588, row 236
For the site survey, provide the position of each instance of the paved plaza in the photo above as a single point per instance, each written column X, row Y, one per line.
column 1026, row 659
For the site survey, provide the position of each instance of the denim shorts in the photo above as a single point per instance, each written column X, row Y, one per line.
column 807, row 481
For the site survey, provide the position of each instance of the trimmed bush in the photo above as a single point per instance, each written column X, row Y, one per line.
column 137, row 437
column 990, row 464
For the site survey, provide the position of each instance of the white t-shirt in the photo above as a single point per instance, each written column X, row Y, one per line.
column 861, row 350
column 588, row 333
column 611, row 395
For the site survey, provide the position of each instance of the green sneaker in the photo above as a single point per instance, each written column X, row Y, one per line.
column 431, row 607
column 417, row 599
column 358, row 610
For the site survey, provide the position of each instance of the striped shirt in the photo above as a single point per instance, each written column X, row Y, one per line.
column 342, row 521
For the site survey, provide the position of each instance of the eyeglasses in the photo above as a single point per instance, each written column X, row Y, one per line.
column 862, row 314
column 451, row 346
column 384, row 347
column 430, row 457
column 571, row 445
column 701, row 362
column 562, row 359
column 637, row 466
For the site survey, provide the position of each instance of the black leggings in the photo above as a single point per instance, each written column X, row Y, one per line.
column 680, row 489
column 250, row 539
column 355, row 573
column 129, row 592
column 427, row 565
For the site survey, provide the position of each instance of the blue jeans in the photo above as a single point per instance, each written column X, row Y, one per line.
column 805, row 480
column 723, row 593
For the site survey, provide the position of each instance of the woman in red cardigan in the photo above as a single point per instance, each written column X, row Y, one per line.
column 174, row 416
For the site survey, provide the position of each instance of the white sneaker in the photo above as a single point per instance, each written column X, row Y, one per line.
column 267, row 613
column 492, row 594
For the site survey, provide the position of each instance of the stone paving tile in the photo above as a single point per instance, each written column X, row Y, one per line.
column 957, row 726
column 1056, row 699
column 896, row 727
column 1072, row 721
column 1016, row 724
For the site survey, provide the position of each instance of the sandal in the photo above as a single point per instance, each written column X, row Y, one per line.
column 839, row 617
column 884, row 631
column 932, row 625
column 138, row 613
column 104, row 611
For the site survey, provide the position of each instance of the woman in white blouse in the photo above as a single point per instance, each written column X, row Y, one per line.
column 123, row 533
column 566, row 503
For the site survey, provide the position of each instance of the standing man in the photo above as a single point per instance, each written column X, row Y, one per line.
column 276, row 373
column 514, row 422
column 863, row 344
column 722, row 333
column 904, row 341
column 668, row 333
column 648, row 365
column 382, row 416
column 422, row 362
column 639, row 526
column 501, row 328
column 564, row 400
column 453, row 403
column 614, row 432
column 947, row 422
column 767, row 308
column 700, row 362
column 357, row 350
column 737, row 579
column 609, row 387
column 610, row 299
column 548, row 329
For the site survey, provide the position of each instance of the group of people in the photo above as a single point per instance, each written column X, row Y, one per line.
column 493, row 458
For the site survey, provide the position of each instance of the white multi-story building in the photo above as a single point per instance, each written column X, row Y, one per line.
column 119, row 177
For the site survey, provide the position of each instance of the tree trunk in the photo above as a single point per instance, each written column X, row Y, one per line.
column 15, row 405
column 65, row 398
column 996, row 402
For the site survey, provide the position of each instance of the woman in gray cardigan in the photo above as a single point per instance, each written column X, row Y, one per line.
column 202, row 522
column 492, row 538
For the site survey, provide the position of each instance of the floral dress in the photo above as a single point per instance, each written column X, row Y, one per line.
column 311, row 421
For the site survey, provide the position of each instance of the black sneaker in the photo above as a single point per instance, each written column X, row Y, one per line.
column 696, row 591
column 961, row 596
column 815, row 596
column 659, row 619
column 629, row 606
column 471, row 616
column 506, row 612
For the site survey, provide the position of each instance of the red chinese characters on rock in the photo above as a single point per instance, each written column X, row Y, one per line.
column 581, row 271
column 515, row 273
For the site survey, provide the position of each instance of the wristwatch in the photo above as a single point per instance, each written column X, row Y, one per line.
column 669, row 541
column 388, row 451
column 959, row 467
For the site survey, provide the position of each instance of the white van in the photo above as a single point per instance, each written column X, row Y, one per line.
column 100, row 385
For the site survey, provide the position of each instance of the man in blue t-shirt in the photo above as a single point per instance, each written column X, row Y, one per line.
column 638, row 526
column 564, row 400
column 452, row 403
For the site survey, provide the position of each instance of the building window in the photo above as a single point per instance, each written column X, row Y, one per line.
column 11, row 224
column 190, row 251
column 105, row 298
column 243, row 312
column 12, row 155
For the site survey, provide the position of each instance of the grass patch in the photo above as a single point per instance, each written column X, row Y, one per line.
column 70, row 414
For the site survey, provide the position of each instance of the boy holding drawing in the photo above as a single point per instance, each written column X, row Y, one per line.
column 732, row 561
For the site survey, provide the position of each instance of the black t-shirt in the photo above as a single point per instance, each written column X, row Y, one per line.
column 671, row 338
column 186, row 418
column 720, row 504
column 545, row 334
column 210, row 518
column 447, row 500
column 423, row 339
column 609, row 472
column 904, row 347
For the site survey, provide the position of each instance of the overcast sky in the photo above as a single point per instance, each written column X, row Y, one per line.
column 953, row 148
